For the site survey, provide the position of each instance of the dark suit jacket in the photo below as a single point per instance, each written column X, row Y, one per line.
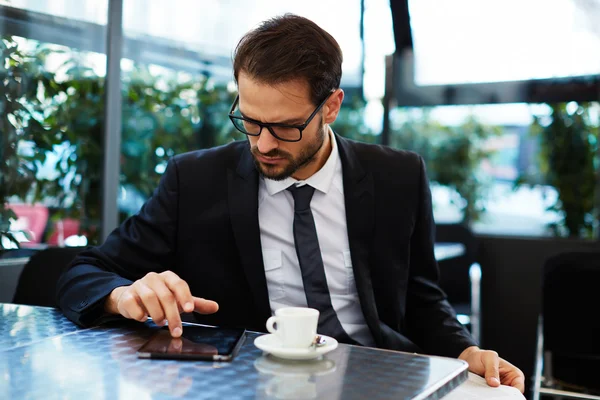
column 202, row 224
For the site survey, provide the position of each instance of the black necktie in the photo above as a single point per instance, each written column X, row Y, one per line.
column 311, row 264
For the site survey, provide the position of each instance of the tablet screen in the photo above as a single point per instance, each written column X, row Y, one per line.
column 197, row 342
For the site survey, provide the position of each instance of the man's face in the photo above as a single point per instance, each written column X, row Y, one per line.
column 287, row 103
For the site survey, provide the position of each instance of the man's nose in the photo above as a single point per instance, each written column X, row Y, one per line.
column 266, row 141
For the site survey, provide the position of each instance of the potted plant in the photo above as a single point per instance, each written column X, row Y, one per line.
column 24, row 137
column 567, row 161
column 453, row 155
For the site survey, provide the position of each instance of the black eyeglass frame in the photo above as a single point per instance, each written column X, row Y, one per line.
column 270, row 125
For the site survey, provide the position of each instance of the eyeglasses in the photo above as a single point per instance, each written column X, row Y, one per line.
column 283, row 132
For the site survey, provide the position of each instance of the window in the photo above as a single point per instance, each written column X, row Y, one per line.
column 508, row 40
column 489, row 165
column 53, row 71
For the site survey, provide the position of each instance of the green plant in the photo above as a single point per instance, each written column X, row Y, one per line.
column 567, row 161
column 161, row 116
column 168, row 115
column 43, row 113
column 350, row 121
column 25, row 139
column 452, row 154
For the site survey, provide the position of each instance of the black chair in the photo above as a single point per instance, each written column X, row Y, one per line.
column 460, row 277
column 11, row 254
column 568, row 351
column 37, row 282
column 12, row 262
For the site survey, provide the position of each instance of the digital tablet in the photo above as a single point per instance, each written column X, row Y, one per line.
column 196, row 343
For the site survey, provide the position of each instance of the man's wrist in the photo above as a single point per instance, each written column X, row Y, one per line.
column 112, row 301
column 467, row 352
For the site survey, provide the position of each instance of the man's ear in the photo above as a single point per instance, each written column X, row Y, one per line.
column 331, row 109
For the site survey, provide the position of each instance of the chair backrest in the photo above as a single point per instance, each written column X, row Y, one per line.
column 37, row 283
column 454, row 272
column 571, row 323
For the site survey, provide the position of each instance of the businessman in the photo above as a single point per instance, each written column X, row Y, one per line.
column 293, row 216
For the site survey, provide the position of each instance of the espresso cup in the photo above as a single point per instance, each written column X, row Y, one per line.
column 296, row 326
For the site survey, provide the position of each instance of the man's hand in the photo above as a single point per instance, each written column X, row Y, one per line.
column 161, row 296
column 495, row 370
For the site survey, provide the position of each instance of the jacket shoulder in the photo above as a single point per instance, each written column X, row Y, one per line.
column 225, row 155
column 384, row 159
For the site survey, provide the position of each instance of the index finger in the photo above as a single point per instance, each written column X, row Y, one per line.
column 180, row 289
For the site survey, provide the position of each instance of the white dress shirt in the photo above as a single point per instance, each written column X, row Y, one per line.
column 282, row 269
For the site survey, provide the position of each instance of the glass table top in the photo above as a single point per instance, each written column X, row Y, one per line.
column 43, row 355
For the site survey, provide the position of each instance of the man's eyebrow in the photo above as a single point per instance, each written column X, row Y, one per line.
column 292, row 121
column 289, row 121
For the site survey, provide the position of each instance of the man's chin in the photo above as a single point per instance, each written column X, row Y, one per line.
column 273, row 172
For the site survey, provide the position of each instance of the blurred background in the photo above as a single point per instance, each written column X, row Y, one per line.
column 501, row 98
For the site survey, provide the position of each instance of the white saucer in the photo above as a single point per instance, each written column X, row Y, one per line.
column 271, row 344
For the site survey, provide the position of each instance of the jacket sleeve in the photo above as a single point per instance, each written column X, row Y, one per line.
column 431, row 321
column 142, row 244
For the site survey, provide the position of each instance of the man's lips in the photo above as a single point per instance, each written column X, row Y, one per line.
column 269, row 160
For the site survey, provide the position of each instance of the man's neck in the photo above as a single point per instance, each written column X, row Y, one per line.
column 319, row 160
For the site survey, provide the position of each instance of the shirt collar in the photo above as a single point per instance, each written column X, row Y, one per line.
column 320, row 180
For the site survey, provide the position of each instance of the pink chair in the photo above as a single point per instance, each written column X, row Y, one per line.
column 31, row 219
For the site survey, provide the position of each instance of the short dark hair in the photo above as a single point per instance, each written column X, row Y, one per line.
column 290, row 47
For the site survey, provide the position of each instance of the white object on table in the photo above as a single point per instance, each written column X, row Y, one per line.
column 272, row 344
column 475, row 387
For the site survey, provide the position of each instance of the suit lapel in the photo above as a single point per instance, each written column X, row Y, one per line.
column 243, row 206
column 360, row 214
